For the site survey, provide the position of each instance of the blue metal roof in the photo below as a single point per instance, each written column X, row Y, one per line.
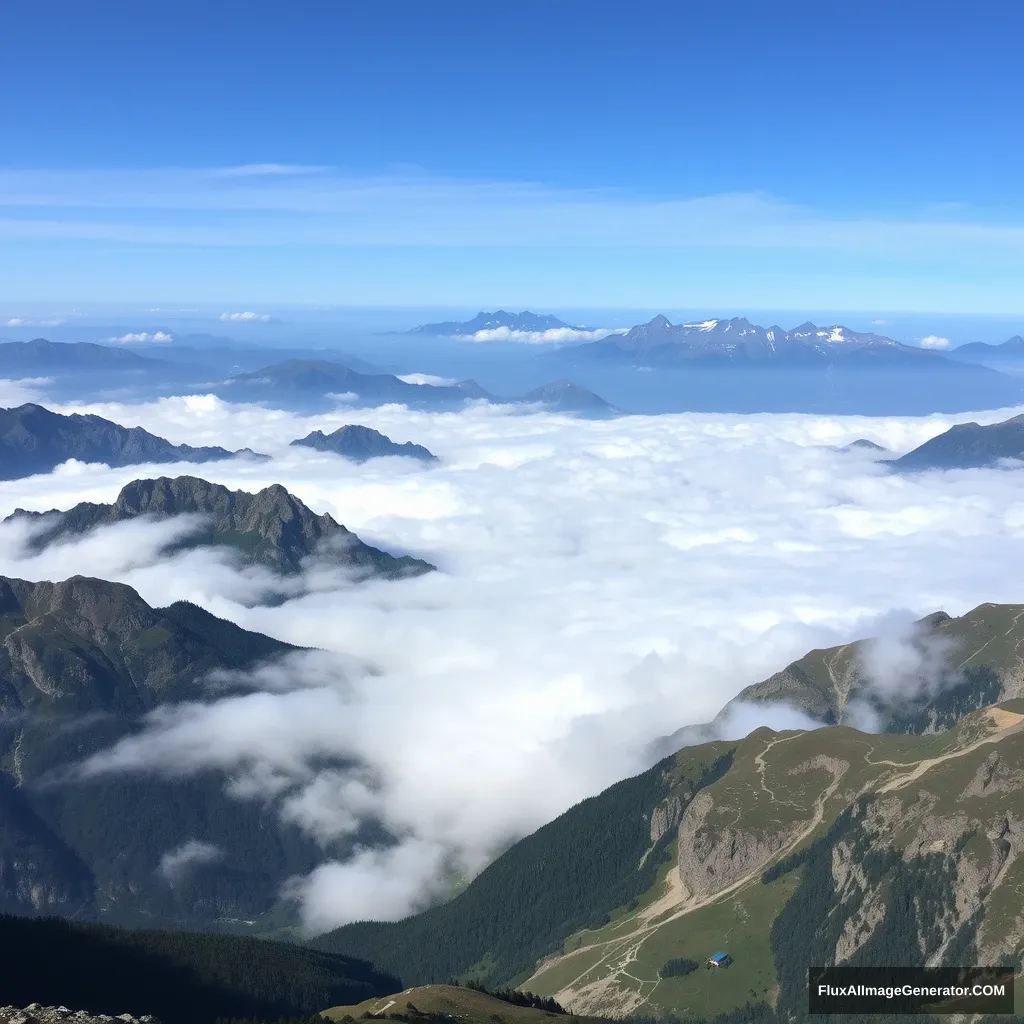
column 719, row 956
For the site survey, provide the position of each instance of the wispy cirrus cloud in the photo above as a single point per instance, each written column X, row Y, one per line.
column 278, row 204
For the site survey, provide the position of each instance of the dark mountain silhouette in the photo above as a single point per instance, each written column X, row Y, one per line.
column 1011, row 350
column 35, row 440
column 271, row 527
column 968, row 446
column 178, row 977
column 360, row 443
column 564, row 396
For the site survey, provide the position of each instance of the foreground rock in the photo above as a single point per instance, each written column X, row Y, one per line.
column 36, row 1014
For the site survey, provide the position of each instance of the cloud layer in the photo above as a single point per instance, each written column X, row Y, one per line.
column 245, row 318
column 143, row 338
column 602, row 584
column 553, row 336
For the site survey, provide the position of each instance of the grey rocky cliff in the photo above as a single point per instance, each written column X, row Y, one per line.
column 712, row 856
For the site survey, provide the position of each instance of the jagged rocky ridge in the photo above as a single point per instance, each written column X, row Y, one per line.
column 271, row 527
column 360, row 443
column 35, row 440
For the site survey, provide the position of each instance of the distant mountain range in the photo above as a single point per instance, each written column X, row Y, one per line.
column 311, row 383
column 360, row 443
column 739, row 342
column 1011, row 350
column 967, row 446
column 524, row 321
column 35, row 440
column 271, row 528
column 42, row 356
column 306, row 378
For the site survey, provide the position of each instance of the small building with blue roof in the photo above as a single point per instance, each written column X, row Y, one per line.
column 719, row 960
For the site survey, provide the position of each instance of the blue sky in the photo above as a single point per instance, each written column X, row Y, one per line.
column 720, row 155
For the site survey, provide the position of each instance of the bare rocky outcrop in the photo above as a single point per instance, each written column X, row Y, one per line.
column 711, row 858
column 36, row 1014
column 994, row 775
column 665, row 817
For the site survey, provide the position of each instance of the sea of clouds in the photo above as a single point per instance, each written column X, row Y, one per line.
column 602, row 584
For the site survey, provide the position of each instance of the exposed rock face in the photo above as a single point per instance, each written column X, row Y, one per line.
column 271, row 527
column 35, row 440
column 360, row 443
column 665, row 817
column 36, row 1014
column 712, row 855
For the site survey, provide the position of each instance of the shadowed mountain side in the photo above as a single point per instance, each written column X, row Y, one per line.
column 85, row 645
column 360, row 443
column 271, row 527
column 967, row 446
column 179, row 977
column 82, row 662
column 35, row 440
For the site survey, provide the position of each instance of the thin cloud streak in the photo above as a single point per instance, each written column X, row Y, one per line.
column 325, row 207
